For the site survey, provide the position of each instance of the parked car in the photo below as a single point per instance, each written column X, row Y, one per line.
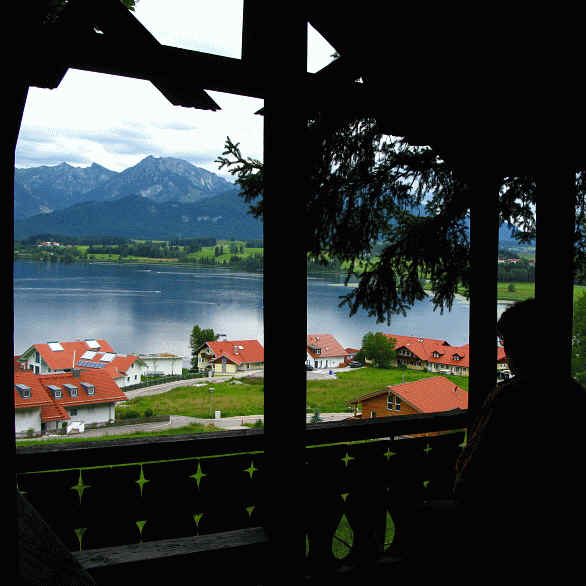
column 355, row 364
column 308, row 367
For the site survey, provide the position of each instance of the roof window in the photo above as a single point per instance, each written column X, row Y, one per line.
column 72, row 389
column 55, row 346
column 89, row 388
column 56, row 391
column 23, row 391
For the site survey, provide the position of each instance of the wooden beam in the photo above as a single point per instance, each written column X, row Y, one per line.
column 18, row 91
column 284, row 65
column 238, row 555
column 483, row 289
column 554, row 276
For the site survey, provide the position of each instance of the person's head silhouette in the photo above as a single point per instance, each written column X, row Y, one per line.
column 522, row 334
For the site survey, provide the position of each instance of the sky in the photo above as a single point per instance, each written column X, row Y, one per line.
column 116, row 121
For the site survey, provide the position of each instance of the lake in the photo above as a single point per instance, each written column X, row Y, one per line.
column 153, row 308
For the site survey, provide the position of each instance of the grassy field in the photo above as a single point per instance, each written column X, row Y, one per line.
column 526, row 290
column 205, row 252
column 233, row 399
column 521, row 291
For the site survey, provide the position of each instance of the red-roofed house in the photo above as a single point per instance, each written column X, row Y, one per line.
column 437, row 355
column 43, row 401
column 230, row 356
column 350, row 354
column 60, row 356
column 86, row 355
column 428, row 395
column 324, row 351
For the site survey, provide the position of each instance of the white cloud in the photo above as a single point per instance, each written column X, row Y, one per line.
column 117, row 121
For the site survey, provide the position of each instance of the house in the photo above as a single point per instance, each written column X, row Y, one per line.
column 60, row 356
column 437, row 355
column 44, row 401
column 324, row 351
column 350, row 354
column 84, row 354
column 163, row 363
column 125, row 369
column 18, row 365
column 428, row 395
column 230, row 356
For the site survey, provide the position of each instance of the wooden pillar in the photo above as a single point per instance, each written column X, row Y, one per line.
column 483, row 289
column 19, row 91
column 554, row 278
column 283, row 62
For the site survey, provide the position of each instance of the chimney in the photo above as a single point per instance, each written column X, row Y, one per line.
column 76, row 372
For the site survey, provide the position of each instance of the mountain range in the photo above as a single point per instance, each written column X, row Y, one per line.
column 160, row 197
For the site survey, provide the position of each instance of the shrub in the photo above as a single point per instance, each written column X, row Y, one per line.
column 315, row 418
column 128, row 414
column 148, row 412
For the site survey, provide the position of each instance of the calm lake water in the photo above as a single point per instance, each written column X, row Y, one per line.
column 152, row 308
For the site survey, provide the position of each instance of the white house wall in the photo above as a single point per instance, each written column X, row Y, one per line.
column 89, row 414
column 26, row 419
column 133, row 376
column 166, row 366
column 326, row 362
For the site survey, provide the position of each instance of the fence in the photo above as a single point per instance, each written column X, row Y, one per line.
column 362, row 493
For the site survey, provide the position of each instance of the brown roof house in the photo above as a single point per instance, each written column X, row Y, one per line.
column 428, row 395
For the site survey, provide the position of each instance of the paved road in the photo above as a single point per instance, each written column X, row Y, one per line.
column 190, row 382
column 182, row 421
column 176, row 421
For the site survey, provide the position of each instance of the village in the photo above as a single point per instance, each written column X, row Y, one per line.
column 70, row 387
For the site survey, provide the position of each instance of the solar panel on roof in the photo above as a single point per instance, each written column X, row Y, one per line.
column 88, row 364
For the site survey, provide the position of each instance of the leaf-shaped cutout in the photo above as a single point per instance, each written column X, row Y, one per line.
column 343, row 539
column 79, row 534
column 197, row 518
column 389, row 531
column 140, row 525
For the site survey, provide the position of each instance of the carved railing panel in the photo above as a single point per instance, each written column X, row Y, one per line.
column 359, row 496
column 54, row 496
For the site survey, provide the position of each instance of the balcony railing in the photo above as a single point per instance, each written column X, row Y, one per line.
column 363, row 479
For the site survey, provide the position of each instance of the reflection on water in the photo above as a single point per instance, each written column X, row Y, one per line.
column 142, row 308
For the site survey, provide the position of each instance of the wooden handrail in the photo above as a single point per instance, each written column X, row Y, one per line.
column 123, row 451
